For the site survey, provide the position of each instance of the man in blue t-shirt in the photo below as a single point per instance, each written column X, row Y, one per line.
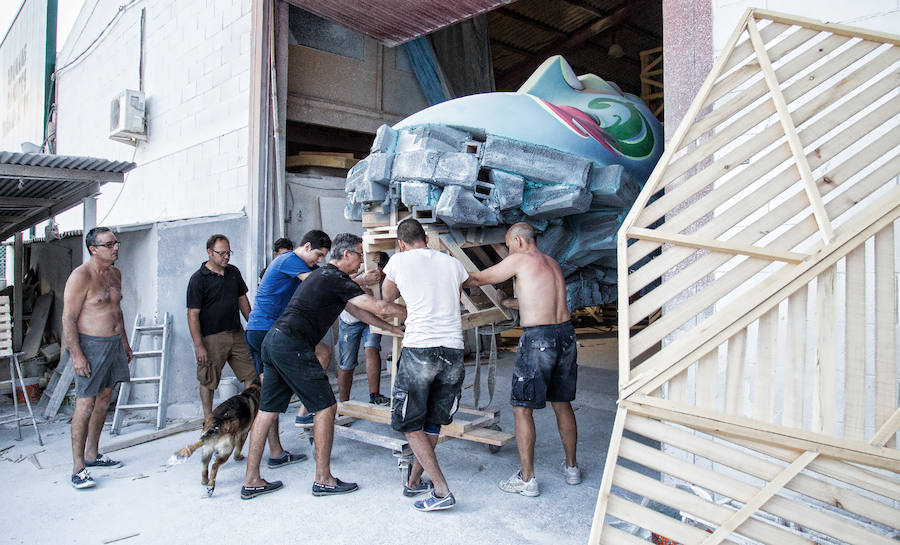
column 278, row 284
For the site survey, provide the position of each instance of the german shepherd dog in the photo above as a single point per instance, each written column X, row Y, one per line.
column 224, row 432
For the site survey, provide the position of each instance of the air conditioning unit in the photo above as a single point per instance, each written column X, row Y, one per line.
column 127, row 118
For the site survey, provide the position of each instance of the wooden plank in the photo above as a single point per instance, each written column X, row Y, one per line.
column 773, row 158
column 825, row 365
column 482, row 317
column 612, row 453
column 844, row 30
column 792, row 416
column 885, row 326
column 490, row 291
column 760, row 467
column 855, row 345
column 126, row 442
column 815, row 199
column 740, row 427
column 647, row 518
column 39, row 313
column 663, row 237
column 320, row 159
column 767, row 349
column 726, row 111
column 707, row 371
column 759, row 499
column 377, row 439
column 743, row 492
column 835, row 469
column 884, row 434
column 779, row 285
column 734, row 379
column 700, row 508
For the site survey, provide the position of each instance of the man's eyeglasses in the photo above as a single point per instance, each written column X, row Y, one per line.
column 223, row 253
column 355, row 252
column 109, row 245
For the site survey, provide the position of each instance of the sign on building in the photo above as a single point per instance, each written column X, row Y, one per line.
column 27, row 59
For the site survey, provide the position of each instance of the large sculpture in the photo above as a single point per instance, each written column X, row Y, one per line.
column 566, row 154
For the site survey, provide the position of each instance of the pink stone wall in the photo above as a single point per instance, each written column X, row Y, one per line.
column 687, row 53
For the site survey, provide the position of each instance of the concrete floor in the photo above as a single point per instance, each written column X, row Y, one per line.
column 167, row 504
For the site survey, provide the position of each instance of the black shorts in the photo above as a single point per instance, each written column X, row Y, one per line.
column 546, row 368
column 290, row 366
column 427, row 388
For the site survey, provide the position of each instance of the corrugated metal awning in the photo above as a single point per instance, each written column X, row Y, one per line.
column 393, row 22
column 35, row 186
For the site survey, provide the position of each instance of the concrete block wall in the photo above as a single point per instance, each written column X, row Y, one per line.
column 196, row 57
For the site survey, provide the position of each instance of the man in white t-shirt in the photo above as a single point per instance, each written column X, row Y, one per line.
column 430, row 372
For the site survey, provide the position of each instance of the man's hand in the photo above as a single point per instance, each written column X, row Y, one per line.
column 369, row 277
column 200, row 352
column 129, row 355
column 81, row 365
column 397, row 330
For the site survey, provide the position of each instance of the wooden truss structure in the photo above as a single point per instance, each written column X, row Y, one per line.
column 762, row 406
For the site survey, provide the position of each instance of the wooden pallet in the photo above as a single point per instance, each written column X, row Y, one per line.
column 780, row 214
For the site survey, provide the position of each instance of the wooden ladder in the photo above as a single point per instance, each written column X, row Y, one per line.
column 140, row 331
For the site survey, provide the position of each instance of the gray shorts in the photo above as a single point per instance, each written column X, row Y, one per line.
column 427, row 388
column 108, row 364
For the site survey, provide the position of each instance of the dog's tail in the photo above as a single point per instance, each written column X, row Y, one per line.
column 181, row 455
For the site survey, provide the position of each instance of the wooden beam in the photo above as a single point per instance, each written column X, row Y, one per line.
column 787, row 123
column 612, row 453
column 189, row 425
column 843, row 30
column 748, row 428
column 576, row 38
column 715, row 245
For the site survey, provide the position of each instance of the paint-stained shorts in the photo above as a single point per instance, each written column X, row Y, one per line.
column 290, row 366
column 427, row 388
column 106, row 355
column 227, row 346
column 546, row 368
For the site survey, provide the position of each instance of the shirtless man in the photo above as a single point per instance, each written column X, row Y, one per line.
column 545, row 364
column 94, row 330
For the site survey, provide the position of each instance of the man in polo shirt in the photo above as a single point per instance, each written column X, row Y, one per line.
column 279, row 283
column 291, row 367
column 216, row 296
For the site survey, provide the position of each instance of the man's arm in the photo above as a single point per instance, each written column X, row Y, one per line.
column 193, row 315
column 73, row 300
column 389, row 290
column 378, row 307
column 367, row 278
column 371, row 319
column 125, row 344
column 244, row 305
column 500, row 272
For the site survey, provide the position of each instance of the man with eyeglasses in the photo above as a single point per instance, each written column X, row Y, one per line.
column 290, row 364
column 94, row 330
column 216, row 297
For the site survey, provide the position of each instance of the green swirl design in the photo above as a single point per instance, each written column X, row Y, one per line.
column 626, row 131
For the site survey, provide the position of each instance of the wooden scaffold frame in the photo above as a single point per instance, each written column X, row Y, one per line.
column 770, row 380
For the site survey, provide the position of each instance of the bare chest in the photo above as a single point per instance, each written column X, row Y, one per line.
column 105, row 290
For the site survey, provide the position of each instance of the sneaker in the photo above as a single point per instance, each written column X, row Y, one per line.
column 515, row 484
column 82, row 479
column 424, row 486
column 573, row 474
column 250, row 492
column 287, row 458
column 103, row 461
column 305, row 420
column 434, row 503
column 378, row 399
column 339, row 487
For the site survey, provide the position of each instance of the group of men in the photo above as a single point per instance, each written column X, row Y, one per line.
column 296, row 303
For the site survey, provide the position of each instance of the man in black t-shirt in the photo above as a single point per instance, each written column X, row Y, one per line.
column 290, row 364
column 216, row 297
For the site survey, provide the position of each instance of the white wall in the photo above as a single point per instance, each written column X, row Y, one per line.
column 196, row 80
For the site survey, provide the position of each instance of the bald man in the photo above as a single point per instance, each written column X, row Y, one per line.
column 546, row 367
